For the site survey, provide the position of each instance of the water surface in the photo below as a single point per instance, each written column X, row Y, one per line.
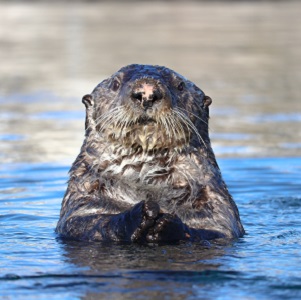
column 265, row 263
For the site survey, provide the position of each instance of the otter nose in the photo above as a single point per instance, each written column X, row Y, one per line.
column 147, row 95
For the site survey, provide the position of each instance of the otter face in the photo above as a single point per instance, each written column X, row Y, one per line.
column 151, row 108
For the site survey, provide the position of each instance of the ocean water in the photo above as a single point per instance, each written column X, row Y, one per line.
column 264, row 264
column 244, row 54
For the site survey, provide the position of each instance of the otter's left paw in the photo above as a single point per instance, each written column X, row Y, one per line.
column 168, row 228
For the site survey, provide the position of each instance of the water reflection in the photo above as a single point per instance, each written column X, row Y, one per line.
column 146, row 271
column 118, row 257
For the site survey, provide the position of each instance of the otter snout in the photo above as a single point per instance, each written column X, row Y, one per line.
column 147, row 94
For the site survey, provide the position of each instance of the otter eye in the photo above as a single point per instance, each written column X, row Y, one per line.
column 181, row 86
column 115, row 85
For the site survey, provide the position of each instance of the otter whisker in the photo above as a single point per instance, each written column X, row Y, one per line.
column 167, row 125
column 122, row 120
column 173, row 124
column 193, row 128
column 189, row 112
column 109, row 117
column 97, row 120
column 179, row 124
column 189, row 124
column 179, row 127
column 108, row 113
column 196, row 116
column 105, row 122
column 128, row 120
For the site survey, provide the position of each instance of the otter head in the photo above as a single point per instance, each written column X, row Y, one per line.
column 149, row 108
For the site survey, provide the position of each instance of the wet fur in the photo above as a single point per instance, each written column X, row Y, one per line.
column 147, row 176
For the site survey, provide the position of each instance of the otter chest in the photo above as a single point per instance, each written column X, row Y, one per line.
column 168, row 179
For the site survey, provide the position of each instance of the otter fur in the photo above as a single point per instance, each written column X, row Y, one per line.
column 146, row 171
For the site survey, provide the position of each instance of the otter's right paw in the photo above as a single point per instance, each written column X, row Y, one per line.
column 149, row 212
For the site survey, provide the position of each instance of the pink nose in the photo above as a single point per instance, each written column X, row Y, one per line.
column 148, row 90
column 147, row 94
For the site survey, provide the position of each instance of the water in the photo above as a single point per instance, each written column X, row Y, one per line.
column 245, row 55
column 265, row 263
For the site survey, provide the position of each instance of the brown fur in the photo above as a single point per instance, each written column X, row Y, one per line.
column 146, row 170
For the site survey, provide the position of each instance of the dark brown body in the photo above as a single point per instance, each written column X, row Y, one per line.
column 146, row 171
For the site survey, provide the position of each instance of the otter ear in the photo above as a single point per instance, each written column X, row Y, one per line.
column 88, row 101
column 90, row 123
column 207, row 101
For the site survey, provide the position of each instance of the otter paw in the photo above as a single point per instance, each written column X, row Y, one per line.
column 149, row 212
column 168, row 228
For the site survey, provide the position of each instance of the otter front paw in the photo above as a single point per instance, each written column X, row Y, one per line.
column 168, row 228
column 149, row 211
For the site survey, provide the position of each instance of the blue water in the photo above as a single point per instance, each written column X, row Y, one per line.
column 264, row 264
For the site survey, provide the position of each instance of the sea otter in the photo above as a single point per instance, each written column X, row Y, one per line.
column 146, row 171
